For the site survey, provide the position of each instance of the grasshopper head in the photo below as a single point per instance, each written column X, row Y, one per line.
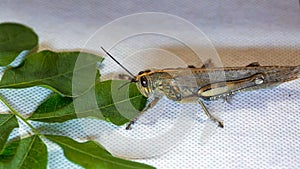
column 144, row 83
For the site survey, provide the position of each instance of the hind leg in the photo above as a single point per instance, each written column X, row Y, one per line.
column 210, row 116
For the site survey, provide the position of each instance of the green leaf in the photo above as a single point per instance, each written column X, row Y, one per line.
column 114, row 104
column 51, row 70
column 119, row 105
column 7, row 123
column 92, row 155
column 9, row 152
column 15, row 38
column 28, row 152
column 55, row 109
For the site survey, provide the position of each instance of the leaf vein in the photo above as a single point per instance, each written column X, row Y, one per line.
column 94, row 156
column 27, row 153
column 89, row 110
column 42, row 79
column 6, row 120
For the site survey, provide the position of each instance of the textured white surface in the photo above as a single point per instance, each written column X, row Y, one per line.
column 261, row 127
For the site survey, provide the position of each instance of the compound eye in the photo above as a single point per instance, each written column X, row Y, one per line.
column 144, row 81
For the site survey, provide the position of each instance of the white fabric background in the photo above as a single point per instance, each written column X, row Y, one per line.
column 261, row 127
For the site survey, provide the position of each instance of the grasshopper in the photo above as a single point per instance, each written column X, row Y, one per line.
column 193, row 84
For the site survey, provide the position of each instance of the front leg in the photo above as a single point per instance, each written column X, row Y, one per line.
column 149, row 105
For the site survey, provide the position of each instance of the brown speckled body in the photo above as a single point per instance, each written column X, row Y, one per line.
column 185, row 84
column 196, row 84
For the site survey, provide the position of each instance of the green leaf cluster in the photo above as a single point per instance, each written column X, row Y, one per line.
column 55, row 71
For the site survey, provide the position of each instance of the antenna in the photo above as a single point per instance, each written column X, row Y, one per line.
column 118, row 63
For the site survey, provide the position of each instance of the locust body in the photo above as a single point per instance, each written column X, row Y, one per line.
column 193, row 84
column 190, row 84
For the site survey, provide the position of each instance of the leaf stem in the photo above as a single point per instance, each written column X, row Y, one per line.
column 20, row 116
